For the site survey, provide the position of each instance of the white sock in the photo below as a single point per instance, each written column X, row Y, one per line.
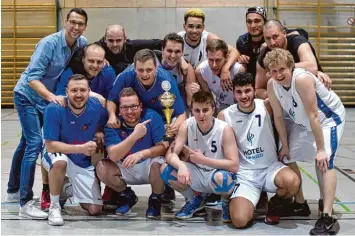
column 54, row 199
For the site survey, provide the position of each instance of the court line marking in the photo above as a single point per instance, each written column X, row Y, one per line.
column 316, row 182
column 4, row 143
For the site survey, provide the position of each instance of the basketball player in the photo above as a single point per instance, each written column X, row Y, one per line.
column 68, row 133
column 260, row 170
column 134, row 152
column 196, row 39
column 318, row 117
column 208, row 73
column 212, row 158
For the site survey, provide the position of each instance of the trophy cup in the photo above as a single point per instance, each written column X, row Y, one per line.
column 167, row 99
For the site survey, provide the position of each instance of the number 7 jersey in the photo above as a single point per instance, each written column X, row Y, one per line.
column 255, row 135
column 209, row 143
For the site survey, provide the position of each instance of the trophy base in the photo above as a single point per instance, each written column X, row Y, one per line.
column 168, row 139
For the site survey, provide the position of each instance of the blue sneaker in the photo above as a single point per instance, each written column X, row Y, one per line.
column 129, row 199
column 226, row 218
column 192, row 205
column 154, row 206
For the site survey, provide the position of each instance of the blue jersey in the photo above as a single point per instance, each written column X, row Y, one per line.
column 149, row 98
column 61, row 124
column 154, row 135
column 101, row 84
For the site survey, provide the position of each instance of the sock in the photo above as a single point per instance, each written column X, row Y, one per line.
column 188, row 193
column 54, row 199
column 45, row 187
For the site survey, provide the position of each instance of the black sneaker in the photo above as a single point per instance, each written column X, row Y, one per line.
column 128, row 199
column 321, row 207
column 298, row 209
column 213, row 199
column 274, row 209
column 325, row 225
column 201, row 213
column 168, row 194
column 154, row 206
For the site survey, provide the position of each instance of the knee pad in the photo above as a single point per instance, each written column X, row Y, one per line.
column 166, row 174
column 225, row 187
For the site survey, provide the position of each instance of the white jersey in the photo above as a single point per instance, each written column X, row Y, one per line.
column 195, row 55
column 210, row 143
column 331, row 111
column 255, row 135
column 223, row 98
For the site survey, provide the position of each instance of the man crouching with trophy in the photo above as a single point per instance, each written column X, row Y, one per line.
column 150, row 81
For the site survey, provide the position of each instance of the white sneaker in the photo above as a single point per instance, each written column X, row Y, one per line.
column 54, row 215
column 32, row 212
column 15, row 197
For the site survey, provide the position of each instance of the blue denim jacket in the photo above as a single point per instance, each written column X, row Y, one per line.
column 48, row 61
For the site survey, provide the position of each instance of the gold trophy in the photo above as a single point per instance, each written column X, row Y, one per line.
column 167, row 99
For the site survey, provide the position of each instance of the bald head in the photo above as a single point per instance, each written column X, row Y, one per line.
column 115, row 29
column 274, row 23
column 115, row 38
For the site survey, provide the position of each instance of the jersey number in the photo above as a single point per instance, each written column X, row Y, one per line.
column 214, row 147
column 259, row 119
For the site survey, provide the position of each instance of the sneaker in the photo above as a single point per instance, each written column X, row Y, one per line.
column 213, row 200
column 45, row 200
column 29, row 210
column 154, row 206
column 275, row 208
column 55, row 216
column 226, row 218
column 129, row 199
column 325, row 225
column 261, row 206
column 168, row 194
column 192, row 205
column 200, row 213
column 67, row 192
column 110, row 197
column 298, row 209
column 15, row 197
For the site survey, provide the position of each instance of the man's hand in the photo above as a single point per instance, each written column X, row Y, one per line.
column 284, row 152
column 113, row 122
column 140, row 129
column 132, row 159
column 184, row 176
column 322, row 160
column 100, row 142
column 243, row 59
column 88, row 148
column 325, row 79
column 197, row 157
column 195, row 87
column 58, row 99
column 171, row 130
column 226, row 80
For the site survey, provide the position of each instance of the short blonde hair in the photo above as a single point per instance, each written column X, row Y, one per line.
column 194, row 12
column 278, row 56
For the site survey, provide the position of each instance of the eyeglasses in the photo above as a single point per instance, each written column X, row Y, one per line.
column 132, row 107
column 74, row 23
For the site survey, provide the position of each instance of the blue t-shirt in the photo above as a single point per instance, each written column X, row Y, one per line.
column 149, row 98
column 154, row 135
column 101, row 84
column 61, row 124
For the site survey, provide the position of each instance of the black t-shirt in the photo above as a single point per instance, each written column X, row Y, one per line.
column 121, row 61
column 246, row 46
column 294, row 41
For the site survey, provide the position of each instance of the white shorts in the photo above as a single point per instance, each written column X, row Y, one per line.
column 303, row 146
column 251, row 183
column 139, row 173
column 201, row 180
column 86, row 187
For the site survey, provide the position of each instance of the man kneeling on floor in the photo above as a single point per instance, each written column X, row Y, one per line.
column 134, row 152
column 69, row 133
column 212, row 158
